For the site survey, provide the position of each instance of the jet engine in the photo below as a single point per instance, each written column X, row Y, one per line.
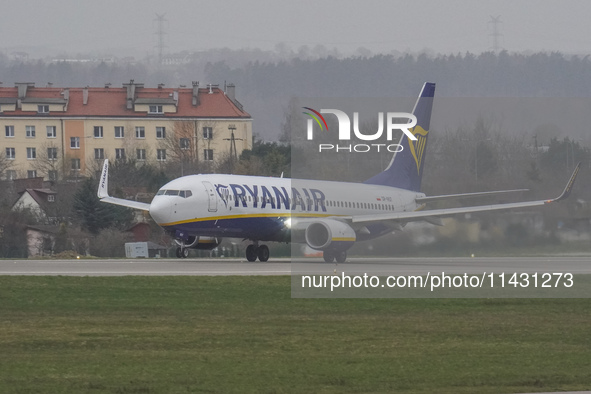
column 201, row 243
column 331, row 234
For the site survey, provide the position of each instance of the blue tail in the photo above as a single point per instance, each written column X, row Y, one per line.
column 405, row 171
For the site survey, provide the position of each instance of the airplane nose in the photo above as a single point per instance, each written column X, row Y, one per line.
column 160, row 209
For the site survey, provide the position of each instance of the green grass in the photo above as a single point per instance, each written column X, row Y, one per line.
column 246, row 334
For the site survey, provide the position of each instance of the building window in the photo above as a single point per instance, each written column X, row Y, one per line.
column 207, row 133
column 31, row 154
column 140, row 132
column 185, row 143
column 161, row 154
column 43, row 109
column 75, row 142
column 120, row 153
column 30, row 131
column 10, row 175
column 208, row 154
column 98, row 131
column 52, row 154
column 52, row 175
column 155, row 109
column 160, row 132
column 119, row 132
column 10, row 153
column 9, row 131
column 99, row 153
column 76, row 164
column 141, row 154
column 50, row 198
column 51, row 132
column 32, row 174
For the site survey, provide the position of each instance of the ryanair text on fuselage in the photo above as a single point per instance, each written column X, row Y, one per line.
column 260, row 196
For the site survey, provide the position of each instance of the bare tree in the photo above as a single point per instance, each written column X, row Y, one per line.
column 180, row 148
column 49, row 162
column 5, row 163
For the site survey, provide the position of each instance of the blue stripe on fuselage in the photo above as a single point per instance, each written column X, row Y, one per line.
column 260, row 228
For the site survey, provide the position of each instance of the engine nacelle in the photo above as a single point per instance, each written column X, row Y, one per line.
column 201, row 243
column 331, row 234
column 207, row 243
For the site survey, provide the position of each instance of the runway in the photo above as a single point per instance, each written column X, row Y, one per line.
column 354, row 266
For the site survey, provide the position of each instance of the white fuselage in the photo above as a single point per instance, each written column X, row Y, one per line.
column 264, row 208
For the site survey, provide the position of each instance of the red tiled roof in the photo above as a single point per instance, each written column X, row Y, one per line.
column 112, row 102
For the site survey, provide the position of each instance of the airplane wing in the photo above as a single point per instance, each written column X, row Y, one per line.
column 465, row 195
column 436, row 213
column 103, row 193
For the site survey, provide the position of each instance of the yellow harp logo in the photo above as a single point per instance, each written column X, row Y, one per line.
column 417, row 148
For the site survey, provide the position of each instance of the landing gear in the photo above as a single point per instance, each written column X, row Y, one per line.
column 332, row 255
column 263, row 253
column 182, row 252
column 255, row 251
column 251, row 253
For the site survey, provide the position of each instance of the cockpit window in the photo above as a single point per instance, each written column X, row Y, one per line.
column 181, row 193
column 185, row 193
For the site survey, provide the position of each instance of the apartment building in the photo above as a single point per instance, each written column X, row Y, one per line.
column 66, row 132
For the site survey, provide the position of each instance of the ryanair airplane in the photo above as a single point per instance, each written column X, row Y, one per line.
column 199, row 210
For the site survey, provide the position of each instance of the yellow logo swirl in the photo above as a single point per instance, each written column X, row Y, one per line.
column 417, row 148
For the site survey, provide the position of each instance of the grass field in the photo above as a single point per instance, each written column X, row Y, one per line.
column 246, row 334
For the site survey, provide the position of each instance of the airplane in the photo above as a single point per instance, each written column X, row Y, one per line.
column 197, row 211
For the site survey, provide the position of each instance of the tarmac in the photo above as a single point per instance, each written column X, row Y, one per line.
column 285, row 266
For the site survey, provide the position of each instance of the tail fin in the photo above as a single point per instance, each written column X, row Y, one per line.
column 405, row 171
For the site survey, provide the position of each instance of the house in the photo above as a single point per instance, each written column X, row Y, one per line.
column 38, row 201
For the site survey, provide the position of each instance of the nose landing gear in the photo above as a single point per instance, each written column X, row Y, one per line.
column 182, row 252
column 254, row 251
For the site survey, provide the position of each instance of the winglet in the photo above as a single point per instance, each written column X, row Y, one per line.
column 569, row 185
column 104, row 181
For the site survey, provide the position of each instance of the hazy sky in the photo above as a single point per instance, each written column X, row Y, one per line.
column 82, row 26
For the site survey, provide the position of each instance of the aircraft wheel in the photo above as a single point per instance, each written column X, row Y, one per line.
column 185, row 253
column 179, row 252
column 263, row 253
column 251, row 253
column 341, row 257
column 328, row 256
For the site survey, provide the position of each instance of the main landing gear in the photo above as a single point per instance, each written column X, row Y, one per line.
column 255, row 250
column 331, row 255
